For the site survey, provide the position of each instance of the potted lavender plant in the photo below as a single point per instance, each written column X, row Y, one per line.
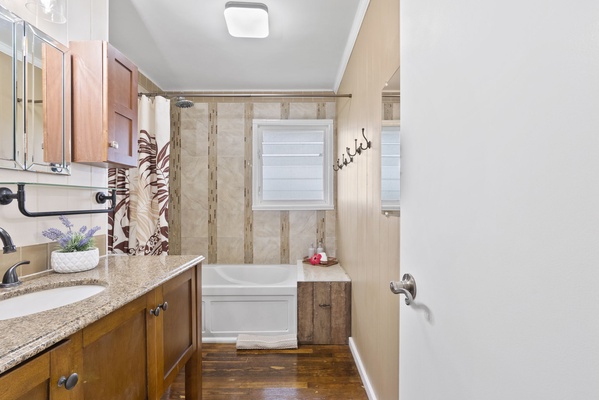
column 77, row 251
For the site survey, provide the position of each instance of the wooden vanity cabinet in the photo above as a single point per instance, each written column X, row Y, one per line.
column 115, row 354
column 137, row 351
column 38, row 378
column 175, row 329
column 324, row 312
column 104, row 87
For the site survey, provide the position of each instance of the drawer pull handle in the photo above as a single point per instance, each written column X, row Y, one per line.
column 70, row 382
column 324, row 305
column 114, row 144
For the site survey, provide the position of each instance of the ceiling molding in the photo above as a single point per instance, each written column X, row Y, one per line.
column 351, row 41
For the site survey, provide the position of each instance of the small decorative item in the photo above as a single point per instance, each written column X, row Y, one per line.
column 77, row 252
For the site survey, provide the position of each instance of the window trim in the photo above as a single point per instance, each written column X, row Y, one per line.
column 258, row 126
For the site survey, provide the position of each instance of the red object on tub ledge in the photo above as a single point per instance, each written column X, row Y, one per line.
column 331, row 261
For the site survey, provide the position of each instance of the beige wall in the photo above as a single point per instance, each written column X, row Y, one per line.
column 368, row 242
column 215, row 186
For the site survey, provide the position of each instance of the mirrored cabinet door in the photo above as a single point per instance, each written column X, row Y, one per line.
column 10, row 151
column 45, row 103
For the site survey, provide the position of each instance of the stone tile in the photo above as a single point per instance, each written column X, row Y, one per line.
column 267, row 250
column 267, row 224
column 8, row 260
column 303, row 110
column 330, row 222
column 302, row 223
column 38, row 257
column 230, row 174
column 193, row 117
column 194, row 221
column 331, row 110
column 194, row 246
column 230, row 128
column 267, row 110
column 229, row 250
column 230, row 215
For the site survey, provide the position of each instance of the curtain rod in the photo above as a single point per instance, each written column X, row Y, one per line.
column 191, row 94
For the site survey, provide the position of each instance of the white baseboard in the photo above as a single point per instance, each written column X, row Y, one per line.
column 361, row 370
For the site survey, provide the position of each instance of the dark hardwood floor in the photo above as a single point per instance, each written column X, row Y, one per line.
column 308, row 373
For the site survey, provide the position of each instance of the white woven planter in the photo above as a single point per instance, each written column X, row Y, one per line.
column 75, row 261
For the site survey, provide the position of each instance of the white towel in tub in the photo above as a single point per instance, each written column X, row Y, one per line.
column 246, row 342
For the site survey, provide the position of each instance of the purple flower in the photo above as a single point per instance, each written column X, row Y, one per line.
column 65, row 221
column 83, row 229
column 52, row 234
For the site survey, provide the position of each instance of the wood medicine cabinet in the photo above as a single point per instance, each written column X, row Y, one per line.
column 104, row 105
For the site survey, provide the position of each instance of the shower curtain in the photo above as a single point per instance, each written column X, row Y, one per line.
column 139, row 223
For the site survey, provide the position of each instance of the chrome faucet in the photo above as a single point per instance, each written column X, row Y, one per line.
column 10, row 278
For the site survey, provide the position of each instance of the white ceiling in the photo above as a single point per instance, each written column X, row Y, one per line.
column 184, row 44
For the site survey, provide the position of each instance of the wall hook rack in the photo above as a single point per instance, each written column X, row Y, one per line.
column 342, row 162
column 7, row 196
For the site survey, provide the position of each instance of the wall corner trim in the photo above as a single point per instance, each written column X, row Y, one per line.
column 362, row 370
column 351, row 41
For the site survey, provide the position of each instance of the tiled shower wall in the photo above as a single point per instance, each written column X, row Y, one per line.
column 215, row 185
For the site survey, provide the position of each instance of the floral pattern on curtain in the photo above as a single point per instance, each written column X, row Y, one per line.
column 139, row 223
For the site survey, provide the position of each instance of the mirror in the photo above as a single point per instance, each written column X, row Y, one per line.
column 390, row 146
column 11, row 150
column 43, row 87
column 34, row 99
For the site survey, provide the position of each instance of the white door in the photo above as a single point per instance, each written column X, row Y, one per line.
column 500, row 199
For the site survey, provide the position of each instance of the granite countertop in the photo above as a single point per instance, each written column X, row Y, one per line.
column 125, row 277
column 317, row 273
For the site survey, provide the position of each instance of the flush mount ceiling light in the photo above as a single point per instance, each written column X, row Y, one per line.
column 248, row 20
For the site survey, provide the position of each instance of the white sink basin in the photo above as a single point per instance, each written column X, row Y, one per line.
column 44, row 300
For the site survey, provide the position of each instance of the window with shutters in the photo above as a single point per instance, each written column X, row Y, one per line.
column 292, row 164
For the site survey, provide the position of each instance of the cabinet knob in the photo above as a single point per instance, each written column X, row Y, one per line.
column 70, row 382
column 156, row 311
column 114, row 144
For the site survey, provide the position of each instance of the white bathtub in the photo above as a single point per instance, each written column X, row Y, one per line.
column 247, row 298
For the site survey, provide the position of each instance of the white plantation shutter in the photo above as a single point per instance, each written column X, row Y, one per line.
column 390, row 168
column 292, row 167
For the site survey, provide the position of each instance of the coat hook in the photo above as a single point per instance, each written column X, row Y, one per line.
column 357, row 150
column 335, row 167
column 368, row 142
column 345, row 162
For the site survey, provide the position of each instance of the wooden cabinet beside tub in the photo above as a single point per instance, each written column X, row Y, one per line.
column 104, row 105
column 324, row 312
column 135, row 352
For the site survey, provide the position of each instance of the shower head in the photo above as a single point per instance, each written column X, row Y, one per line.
column 181, row 102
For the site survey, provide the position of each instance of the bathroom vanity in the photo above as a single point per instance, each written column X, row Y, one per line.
column 127, row 342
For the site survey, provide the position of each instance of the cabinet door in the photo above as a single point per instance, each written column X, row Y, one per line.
column 324, row 312
column 115, row 355
column 121, row 108
column 177, row 335
column 37, row 379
